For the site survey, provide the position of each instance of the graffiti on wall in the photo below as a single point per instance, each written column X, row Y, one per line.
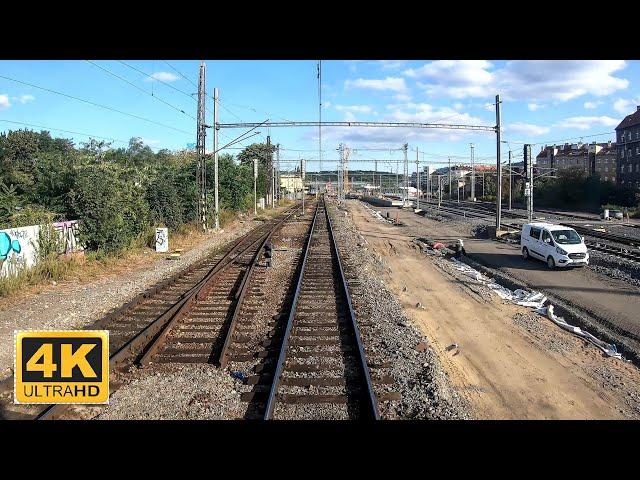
column 19, row 246
column 68, row 231
column 17, row 249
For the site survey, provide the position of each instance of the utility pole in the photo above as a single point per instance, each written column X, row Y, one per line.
column 320, row 114
column 255, row 185
column 439, row 191
column 375, row 173
column 483, row 183
column 215, row 156
column 278, row 174
column 473, row 176
column 528, row 188
column 201, row 169
column 510, row 179
column 269, row 171
column 302, row 174
column 405, row 180
column 498, row 166
column 449, row 178
column 417, row 180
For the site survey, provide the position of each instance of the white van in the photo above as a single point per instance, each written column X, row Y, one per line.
column 557, row 245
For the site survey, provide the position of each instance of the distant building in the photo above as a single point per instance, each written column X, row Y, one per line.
column 290, row 183
column 628, row 138
column 591, row 158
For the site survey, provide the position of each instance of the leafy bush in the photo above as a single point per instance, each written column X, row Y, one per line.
column 111, row 208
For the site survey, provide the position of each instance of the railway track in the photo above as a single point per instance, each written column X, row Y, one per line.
column 610, row 249
column 321, row 370
column 309, row 358
column 187, row 318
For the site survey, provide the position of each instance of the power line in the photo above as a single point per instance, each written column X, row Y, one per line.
column 66, row 131
column 158, row 80
column 547, row 142
column 178, row 72
column 95, row 104
column 141, row 89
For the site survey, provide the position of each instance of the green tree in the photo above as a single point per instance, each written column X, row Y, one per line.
column 111, row 208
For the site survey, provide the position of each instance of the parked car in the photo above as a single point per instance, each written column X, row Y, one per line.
column 557, row 245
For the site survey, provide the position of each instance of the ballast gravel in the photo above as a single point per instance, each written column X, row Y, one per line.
column 176, row 392
column 389, row 337
column 72, row 305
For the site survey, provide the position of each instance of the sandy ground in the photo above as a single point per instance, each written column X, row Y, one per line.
column 510, row 363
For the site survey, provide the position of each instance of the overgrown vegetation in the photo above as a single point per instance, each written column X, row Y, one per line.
column 119, row 195
column 573, row 188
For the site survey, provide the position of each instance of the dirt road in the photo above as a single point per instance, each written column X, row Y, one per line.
column 509, row 363
column 613, row 302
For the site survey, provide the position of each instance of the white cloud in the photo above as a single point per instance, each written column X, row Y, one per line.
column 326, row 105
column 391, row 64
column 402, row 97
column 534, row 106
column 406, row 112
column 427, row 113
column 163, row 77
column 585, row 123
column 4, row 101
column 354, row 108
column 25, row 98
column 395, row 84
column 527, row 129
column 533, row 80
column 458, row 106
column 592, row 105
column 625, row 106
column 150, row 142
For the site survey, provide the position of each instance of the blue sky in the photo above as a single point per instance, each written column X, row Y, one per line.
column 543, row 101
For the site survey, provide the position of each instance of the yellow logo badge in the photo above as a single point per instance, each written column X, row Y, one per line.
column 62, row 366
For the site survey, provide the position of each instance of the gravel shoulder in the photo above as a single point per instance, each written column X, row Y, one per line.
column 73, row 305
column 425, row 388
column 504, row 360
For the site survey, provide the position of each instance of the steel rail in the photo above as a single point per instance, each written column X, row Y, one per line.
column 285, row 342
column 141, row 339
column 368, row 397
column 371, row 396
column 223, row 359
column 135, row 343
column 152, row 348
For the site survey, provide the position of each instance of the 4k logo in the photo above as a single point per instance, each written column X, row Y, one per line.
column 62, row 367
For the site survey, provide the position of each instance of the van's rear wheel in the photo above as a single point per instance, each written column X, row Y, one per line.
column 525, row 253
column 551, row 263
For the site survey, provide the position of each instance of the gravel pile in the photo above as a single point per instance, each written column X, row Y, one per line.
column 481, row 231
column 391, row 339
column 173, row 392
column 615, row 267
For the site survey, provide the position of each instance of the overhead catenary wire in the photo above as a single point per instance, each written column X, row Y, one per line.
column 140, row 88
column 179, row 73
column 551, row 142
column 89, row 102
column 191, row 96
column 66, row 131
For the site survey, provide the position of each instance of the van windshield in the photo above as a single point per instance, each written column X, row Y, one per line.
column 566, row 237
